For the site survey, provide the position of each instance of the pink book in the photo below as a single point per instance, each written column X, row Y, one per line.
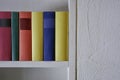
column 5, row 36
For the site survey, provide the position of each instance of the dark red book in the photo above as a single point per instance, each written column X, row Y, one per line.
column 25, row 40
column 5, row 36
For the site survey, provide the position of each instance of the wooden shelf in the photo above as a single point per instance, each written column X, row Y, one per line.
column 33, row 64
column 34, row 5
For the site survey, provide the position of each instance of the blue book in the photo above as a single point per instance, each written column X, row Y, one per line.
column 49, row 36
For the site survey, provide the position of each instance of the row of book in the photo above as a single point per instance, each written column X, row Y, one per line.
column 34, row 36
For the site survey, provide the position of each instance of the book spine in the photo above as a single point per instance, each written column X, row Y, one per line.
column 61, row 36
column 15, row 35
column 5, row 36
column 37, row 36
column 25, row 47
column 49, row 36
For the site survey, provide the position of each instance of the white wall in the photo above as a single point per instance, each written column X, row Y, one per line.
column 98, row 35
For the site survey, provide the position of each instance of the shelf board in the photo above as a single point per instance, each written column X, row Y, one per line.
column 33, row 64
column 33, row 5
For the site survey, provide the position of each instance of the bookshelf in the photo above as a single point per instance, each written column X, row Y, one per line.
column 68, row 67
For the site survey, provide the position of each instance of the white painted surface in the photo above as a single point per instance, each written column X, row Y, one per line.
column 72, row 39
column 98, row 40
column 34, row 64
column 33, row 5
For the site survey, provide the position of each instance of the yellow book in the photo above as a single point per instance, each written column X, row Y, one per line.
column 37, row 36
column 61, row 36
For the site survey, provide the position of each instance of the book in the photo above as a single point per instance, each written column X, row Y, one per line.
column 5, row 36
column 37, row 36
column 25, row 40
column 15, row 35
column 61, row 36
column 49, row 36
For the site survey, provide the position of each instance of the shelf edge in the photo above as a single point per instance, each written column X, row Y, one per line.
column 33, row 64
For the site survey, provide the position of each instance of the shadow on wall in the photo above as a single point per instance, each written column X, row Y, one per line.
column 33, row 74
column 2, row 75
column 11, row 74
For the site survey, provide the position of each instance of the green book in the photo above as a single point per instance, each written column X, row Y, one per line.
column 15, row 35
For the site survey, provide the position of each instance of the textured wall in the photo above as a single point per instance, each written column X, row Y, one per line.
column 98, row 35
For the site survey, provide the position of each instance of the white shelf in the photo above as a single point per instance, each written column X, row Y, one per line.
column 33, row 5
column 33, row 64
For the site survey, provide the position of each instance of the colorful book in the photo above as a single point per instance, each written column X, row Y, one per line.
column 15, row 35
column 37, row 36
column 5, row 36
column 49, row 36
column 61, row 36
column 25, row 40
